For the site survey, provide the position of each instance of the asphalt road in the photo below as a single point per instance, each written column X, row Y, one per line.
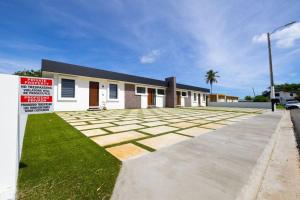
column 295, row 114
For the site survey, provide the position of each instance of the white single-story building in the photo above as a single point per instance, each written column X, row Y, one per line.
column 284, row 96
column 83, row 88
column 222, row 98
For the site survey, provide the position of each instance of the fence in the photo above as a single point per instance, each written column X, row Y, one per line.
column 265, row 105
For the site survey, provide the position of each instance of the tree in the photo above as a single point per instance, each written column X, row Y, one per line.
column 292, row 87
column 260, row 98
column 248, row 98
column 211, row 77
column 34, row 73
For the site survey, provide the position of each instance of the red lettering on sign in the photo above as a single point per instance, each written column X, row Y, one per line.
column 36, row 99
column 35, row 81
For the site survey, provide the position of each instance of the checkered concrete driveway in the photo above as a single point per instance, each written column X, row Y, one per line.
column 135, row 132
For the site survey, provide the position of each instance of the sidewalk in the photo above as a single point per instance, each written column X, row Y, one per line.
column 223, row 164
column 282, row 178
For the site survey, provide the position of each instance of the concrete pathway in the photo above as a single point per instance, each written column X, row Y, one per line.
column 147, row 130
column 225, row 164
column 282, row 178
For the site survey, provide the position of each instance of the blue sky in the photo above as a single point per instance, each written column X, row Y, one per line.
column 157, row 39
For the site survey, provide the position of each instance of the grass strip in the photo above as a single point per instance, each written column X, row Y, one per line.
column 58, row 162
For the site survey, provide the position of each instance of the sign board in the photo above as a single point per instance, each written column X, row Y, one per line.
column 35, row 95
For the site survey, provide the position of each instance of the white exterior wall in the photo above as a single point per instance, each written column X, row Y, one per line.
column 203, row 99
column 283, row 96
column 144, row 101
column 194, row 103
column 221, row 100
column 182, row 101
column 160, row 101
column 81, row 100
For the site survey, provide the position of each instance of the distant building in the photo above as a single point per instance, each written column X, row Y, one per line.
column 284, row 96
column 222, row 98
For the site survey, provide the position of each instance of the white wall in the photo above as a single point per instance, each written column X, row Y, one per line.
column 144, row 101
column 194, row 102
column 203, row 99
column 182, row 101
column 81, row 100
column 266, row 105
column 160, row 101
column 283, row 96
column 9, row 86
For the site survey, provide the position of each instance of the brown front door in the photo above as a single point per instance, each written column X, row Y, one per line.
column 151, row 96
column 178, row 97
column 94, row 94
column 199, row 99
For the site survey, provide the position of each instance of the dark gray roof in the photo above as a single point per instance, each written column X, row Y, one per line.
column 64, row 68
column 190, row 87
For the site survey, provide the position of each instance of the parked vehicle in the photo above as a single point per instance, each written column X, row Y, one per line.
column 292, row 104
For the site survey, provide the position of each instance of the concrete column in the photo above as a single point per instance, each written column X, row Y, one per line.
column 171, row 92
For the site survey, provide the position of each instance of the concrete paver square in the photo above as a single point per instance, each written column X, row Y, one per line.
column 127, row 122
column 212, row 126
column 155, row 123
column 94, row 132
column 200, row 121
column 93, row 126
column 195, row 131
column 117, row 138
column 78, row 123
column 126, row 151
column 175, row 120
column 183, row 124
column 158, row 130
column 100, row 121
column 150, row 119
column 124, row 128
column 163, row 140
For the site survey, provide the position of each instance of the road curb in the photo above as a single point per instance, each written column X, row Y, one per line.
column 251, row 189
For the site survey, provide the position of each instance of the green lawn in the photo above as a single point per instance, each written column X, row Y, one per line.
column 58, row 162
column 280, row 106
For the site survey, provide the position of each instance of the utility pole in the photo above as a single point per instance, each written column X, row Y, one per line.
column 272, row 89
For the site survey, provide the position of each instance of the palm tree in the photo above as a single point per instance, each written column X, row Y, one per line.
column 211, row 77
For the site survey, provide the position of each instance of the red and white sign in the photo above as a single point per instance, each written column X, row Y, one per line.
column 36, row 95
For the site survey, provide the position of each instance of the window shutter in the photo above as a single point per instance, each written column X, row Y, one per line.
column 67, row 88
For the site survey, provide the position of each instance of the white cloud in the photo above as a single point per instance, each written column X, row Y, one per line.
column 262, row 38
column 150, row 57
column 284, row 38
column 287, row 37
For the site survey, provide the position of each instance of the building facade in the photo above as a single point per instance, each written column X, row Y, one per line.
column 82, row 88
column 222, row 98
column 283, row 97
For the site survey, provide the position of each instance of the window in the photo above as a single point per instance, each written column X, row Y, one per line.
column 291, row 94
column 276, row 94
column 160, row 91
column 183, row 94
column 67, row 88
column 140, row 90
column 195, row 97
column 113, row 91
